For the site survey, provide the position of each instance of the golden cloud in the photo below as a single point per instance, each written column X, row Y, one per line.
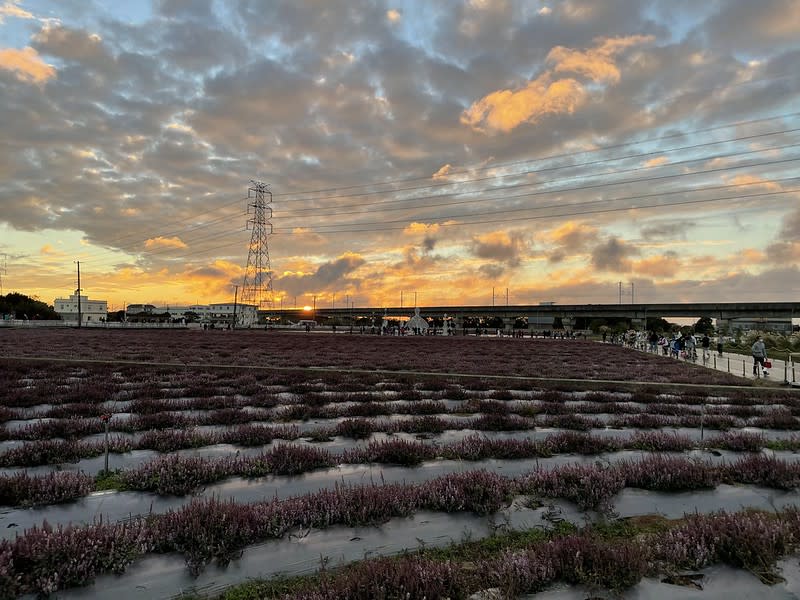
column 443, row 172
column 26, row 65
column 596, row 64
column 657, row 266
column 162, row 242
column 421, row 228
column 755, row 180
column 48, row 250
column 504, row 110
column 393, row 15
column 656, row 162
column 569, row 231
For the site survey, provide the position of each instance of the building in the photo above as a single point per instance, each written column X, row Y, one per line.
column 92, row 311
column 743, row 325
column 219, row 315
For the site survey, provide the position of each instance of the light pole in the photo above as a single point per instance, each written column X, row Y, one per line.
column 314, row 309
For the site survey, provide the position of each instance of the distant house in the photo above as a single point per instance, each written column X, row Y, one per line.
column 92, row 311
column 220, row 314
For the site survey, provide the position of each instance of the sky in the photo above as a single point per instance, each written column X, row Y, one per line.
column 449, row 153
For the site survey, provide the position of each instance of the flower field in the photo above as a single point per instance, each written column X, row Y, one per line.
column 557, row 462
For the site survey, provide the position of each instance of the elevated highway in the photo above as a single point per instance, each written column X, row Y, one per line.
column 543, row 315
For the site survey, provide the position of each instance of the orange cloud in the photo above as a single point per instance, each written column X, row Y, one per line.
column 443, row 172
column 569, row 231
column 656, row 162
column 755, row 180
column 657, row 266
column 48, row 250
column 596, row 64
column 418, row 228
column 26, row 65
column 162, row 242
column 503, row 110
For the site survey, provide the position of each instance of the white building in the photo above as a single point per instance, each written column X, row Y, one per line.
column 220, row 314
column 92, row 311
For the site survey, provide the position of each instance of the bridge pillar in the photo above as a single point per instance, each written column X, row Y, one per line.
column 508, row 325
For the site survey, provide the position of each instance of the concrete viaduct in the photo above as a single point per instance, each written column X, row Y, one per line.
column 541, row 316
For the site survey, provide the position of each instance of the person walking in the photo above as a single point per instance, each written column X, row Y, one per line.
column 706, row 343
column 759, row 351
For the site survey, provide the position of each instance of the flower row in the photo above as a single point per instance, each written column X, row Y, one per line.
column 589, row 486
column 748, row 540
column 51, row 452
column 209, row 529
column 352, row 404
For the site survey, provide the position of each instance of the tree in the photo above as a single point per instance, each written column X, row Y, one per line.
column 704, row 325
column 658, row 324
column 20, row 306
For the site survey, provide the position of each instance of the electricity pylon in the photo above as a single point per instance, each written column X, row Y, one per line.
column 257, row 284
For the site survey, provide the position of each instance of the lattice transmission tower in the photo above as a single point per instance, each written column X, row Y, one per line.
column 257, row 284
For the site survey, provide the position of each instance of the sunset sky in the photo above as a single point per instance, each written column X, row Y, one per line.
column 552, row 148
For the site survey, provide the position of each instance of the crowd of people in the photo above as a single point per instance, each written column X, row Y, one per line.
column 685, row 346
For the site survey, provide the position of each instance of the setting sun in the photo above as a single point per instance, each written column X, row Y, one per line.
column 306, row 308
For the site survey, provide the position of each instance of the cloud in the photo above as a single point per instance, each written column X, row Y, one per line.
column 754, row 180
column 429, row 230
column 491, row 271
column 570, row 238
column 393, row 15
column 26, row 65
column 12, row 9
column 48, row 250
column 667, row 230
column 596, row 64
column 547, row 94
column 443, row 172
column 613, row 255
column 664, row 266
column 505, row 110
column 162, row 242
column 499, row 246
column 333, row 273
column 655, row 162
column 307, row 236
column 790, row 228
column 416, row 228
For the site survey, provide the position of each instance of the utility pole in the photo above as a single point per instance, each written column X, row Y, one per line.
column 78, row 292
column 492, row 295
column 401, row 298
column 631, row 292
column 314, row 309
column 506, row 296
column 415, row 299
column 333, row 301
column 620, row 292
column 235, row 298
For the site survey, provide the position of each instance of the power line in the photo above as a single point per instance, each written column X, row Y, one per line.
column 568, row 214
column 552, row 156
column 542, row 183
column 591, row 186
